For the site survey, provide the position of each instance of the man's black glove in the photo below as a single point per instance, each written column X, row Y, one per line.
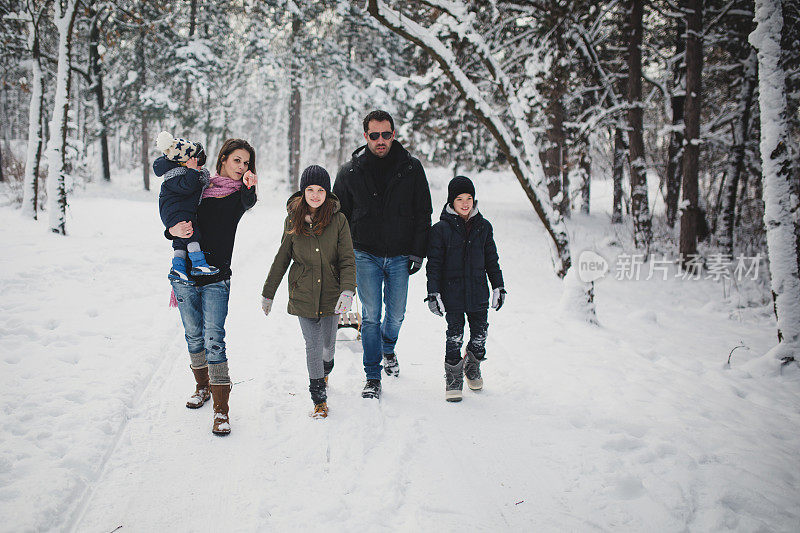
column 414, row 264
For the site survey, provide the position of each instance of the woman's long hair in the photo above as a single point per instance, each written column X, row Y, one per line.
column 299, row 208
column 232, row 145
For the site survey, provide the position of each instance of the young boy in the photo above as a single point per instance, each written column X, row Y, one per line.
column 181, row 191
column 461, row 254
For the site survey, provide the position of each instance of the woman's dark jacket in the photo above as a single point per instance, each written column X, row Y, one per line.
column 322, row 265
column 217, row 220
column 460, row 257
column 180, row 191
column 389, row 210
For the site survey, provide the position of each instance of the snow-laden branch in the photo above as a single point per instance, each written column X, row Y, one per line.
column 524, row 162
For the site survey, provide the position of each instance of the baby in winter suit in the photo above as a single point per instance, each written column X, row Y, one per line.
column 461, row 254
column 181, row 191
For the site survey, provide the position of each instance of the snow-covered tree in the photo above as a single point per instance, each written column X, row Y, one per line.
column 35, row 13
column 57, row 163
column 640, row 209
column 781, row 202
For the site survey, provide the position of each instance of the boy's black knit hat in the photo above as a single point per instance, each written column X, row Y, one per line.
column 315, row 175
column 459, row 185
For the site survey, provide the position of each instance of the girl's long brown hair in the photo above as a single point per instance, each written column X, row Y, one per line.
column 299, row 208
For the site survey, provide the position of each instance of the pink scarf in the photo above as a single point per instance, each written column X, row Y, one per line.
column 221, row 186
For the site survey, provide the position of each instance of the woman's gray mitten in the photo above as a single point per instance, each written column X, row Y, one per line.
column 345, row 303
column 266, row 305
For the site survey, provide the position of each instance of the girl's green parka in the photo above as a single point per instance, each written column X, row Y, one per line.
column 322, row 266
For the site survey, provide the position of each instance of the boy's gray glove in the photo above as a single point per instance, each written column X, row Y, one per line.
column 414, row 264
column 345, row 303
column 266, row 305
column 498, row 298
column 435, row 303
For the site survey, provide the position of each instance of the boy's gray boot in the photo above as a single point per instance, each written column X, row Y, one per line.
column 454, row 381
column 472, row 371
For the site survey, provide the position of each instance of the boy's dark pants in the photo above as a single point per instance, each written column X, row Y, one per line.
column 180, row 243
column 478, row 327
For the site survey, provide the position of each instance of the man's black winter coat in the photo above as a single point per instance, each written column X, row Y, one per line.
column 460, row 257
column 389, row 215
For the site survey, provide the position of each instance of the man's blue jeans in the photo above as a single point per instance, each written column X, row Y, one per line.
column 380, row 280
column 203, row 312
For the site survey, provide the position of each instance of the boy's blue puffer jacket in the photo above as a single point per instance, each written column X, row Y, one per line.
column 180, row 192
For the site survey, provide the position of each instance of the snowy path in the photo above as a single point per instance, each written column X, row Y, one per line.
column 635, row 425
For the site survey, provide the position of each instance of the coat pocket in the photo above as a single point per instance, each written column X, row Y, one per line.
column 453, row 294
column 479, row 291
column 299, row 288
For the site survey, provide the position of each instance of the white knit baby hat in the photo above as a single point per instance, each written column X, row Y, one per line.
column 176, row 149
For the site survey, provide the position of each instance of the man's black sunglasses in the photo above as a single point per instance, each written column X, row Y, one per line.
column 385, row 134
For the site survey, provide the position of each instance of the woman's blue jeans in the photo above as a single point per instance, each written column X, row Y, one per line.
column 203, row 312
column 380, row 280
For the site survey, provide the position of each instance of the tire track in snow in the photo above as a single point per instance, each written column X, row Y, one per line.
column 163, row 396
column 79, row 508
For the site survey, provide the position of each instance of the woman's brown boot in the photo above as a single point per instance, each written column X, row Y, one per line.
column 202, row 392
column 220, row 394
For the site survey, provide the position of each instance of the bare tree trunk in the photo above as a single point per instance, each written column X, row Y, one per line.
column 736, row 161
column 675, row 150
column 640, row 209
column 187, row 89
column 77, row 114
column 566, row 208
column 30, row 190
column 586, row 179
column 752, row 167
column 780, row 207
column 295, row 110
column 58, row 166
column 96, row 85
column 619, row 159
column 192, row 17
column 340, row 156
column 144, row 118
column 551, row 156
column 690, row 212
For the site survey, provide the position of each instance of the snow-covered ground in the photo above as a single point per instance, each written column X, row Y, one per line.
column 633, row 425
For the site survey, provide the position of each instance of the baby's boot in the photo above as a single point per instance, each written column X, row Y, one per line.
column 178, row 271
column 199, row 265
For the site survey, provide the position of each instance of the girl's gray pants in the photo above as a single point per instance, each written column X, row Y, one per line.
column 320, row 336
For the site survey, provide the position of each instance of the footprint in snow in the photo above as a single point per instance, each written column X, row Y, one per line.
column 629, row 488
